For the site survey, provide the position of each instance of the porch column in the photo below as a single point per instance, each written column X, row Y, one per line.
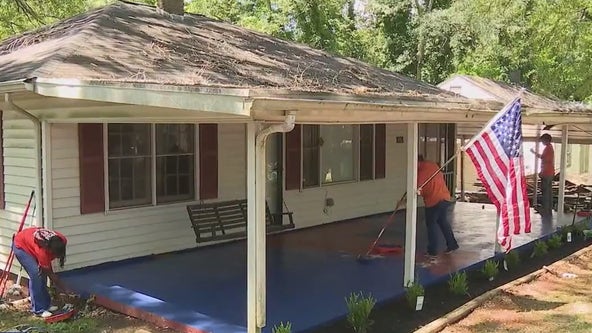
column 411, row 217
column 561, row 194
column 537, row 145
column 255, row 232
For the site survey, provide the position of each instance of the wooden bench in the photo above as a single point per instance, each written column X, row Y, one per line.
column 228, row 220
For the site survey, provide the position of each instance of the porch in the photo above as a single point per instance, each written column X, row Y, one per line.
column 310, row 271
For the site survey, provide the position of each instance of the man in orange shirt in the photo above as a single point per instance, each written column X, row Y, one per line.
column 547, row 173
column 436, row 197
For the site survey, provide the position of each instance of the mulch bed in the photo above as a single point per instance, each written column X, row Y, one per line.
column 396, row 315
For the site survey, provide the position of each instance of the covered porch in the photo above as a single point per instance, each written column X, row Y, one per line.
column 309, row 272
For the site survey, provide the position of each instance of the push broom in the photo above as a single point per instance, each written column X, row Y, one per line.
column 390, row 220
column 367, row 256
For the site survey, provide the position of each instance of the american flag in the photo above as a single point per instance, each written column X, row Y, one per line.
column 497, row 155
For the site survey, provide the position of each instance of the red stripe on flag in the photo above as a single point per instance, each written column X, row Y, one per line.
column 490, row 194
column 499, row 183
column 494, row 148
column 514, row 198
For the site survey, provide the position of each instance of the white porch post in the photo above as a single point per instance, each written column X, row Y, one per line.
column 411, row 218
column 561, row 194
column 537, row 145
column 255, row 257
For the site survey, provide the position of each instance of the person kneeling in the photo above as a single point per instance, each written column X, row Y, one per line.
column 35, row 248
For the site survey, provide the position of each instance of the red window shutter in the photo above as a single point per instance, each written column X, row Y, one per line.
column 380, row 151
column 293, row 158
column 208, row 161
column 2, row 201
column 91, row 158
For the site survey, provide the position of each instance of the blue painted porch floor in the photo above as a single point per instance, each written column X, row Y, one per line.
column 309, row 272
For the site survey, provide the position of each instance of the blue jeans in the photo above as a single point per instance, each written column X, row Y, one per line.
column 438, row 217
column 40, row 299
column 547, row 193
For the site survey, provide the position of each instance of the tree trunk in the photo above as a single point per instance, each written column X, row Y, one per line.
column 421, row 12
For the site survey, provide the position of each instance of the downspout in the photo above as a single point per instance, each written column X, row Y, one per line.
column 284, row 127
column 256, row 270
column 39, row 195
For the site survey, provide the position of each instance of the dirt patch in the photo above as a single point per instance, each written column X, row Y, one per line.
column 513, row 311
column 555, row 302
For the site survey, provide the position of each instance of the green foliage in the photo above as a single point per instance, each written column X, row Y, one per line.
column 490, row 269
column 554, row 242
column 412, row 291
column 458, row 283
column 282, row 328
column 512, row 259
column 540, row 249
column 10, row 319
column 359, row 308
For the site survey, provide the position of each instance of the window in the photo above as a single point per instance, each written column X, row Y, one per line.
column 129, row 153
column 584, row 158
column 337, row 153
column 330, row 154
column 175, row 158
column 135, row 161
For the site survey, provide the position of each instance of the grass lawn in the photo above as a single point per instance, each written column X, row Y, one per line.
column 97, row 320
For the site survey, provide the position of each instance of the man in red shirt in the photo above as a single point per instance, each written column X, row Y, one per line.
column 35, row 248
column 436, row 197
column 547, row 174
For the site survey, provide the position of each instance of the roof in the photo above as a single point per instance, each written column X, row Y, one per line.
column 133, row 43
column 504, row 93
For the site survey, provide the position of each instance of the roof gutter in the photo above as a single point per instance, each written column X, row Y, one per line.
column 224, row 101
column 12, row 86
column 398, row 111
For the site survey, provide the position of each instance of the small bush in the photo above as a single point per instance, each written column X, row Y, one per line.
column 490, row 270
column 412, row 291
column 512, row 259
column 458, row 283
column 555, row 242
column 564, row 231
column 282, row 328
column 540, row 249
column 359, row 308
column 579, row 230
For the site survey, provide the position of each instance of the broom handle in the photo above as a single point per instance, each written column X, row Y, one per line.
column 6, row 272
column 440, row 169
column 388, row 222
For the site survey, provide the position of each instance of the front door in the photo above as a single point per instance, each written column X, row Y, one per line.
column 273, row 184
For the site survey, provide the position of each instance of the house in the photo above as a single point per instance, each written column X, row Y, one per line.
column 577, row 152
column 121, row 117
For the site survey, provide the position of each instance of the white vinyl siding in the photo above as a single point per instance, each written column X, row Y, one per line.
column 128, row 233
column 357, row 198
column 20, row 176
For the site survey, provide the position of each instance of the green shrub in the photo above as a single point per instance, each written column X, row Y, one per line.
column 555, row 242
column 512, row 259
column 412, row 291
column 282, row 328
column 359, row 308
column 540, row 249
column 458, row 283
column 490, row 270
